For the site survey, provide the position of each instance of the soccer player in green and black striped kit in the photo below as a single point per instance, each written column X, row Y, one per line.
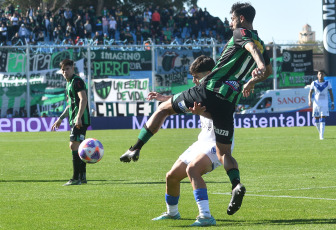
column 243, row 56
column 79, row 118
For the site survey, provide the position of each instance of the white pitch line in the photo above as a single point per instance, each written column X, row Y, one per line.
column 295, row 189
column 281, row 196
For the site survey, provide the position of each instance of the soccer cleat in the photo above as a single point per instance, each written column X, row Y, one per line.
column 83, row 178
column 73, row 182
column 130, row 155
column 321, row 136
column 236, row 200
column 204, row 221
column 166, row 216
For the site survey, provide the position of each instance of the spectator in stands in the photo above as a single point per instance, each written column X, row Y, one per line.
column 119, row 15
column 9, row 113
column 194, row 29
column 99, row 26
column 40, row 37
column 51, row 28
column 112, row 27
column 156, row 20
column 128, row 35
column 16, row 114
column 147, row 17
column 15, row 23
column 23, row 33
column 88, row 27
column 105, row 12
column 138, row 35
column 3, row 34
column 105, row 38
column 68, row 15
column 146, row 33
column 105, row 24
column 98, row 37
column 58, row 35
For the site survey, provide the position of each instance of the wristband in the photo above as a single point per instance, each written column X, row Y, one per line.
column 332, row 103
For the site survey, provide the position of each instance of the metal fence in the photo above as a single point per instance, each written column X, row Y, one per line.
column 89, row 47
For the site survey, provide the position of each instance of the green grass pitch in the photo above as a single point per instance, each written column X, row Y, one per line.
column 289, row 175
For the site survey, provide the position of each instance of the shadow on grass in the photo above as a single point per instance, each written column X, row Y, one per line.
column 42, row 181
column 102, row 182
column 233, row 223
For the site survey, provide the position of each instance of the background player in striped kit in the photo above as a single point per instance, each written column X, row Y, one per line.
column 320, row 87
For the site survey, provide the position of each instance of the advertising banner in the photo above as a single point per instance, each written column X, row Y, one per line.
column 329, row 33
column 111, row 90
column 297, row 61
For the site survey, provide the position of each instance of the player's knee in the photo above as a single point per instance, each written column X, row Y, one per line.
column 73, row 146
column 165, row 108
column 170, row 176
column 191, row 170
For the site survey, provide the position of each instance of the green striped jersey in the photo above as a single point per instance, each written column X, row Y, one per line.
column 75, row 85
column 235, row 65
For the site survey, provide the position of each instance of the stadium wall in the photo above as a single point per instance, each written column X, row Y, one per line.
column 261, row 120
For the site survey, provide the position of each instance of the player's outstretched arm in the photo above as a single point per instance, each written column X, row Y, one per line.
column 157, row 96
column 57, row 123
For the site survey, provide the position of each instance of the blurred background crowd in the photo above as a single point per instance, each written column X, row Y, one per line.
column 70, row 26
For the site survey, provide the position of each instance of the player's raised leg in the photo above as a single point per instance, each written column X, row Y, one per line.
column 231, row 167
column 151, row 127
column 201, row 165
column 173, row 179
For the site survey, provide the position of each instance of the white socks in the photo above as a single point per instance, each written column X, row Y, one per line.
column 203, row 207
column 317, row 124
column 172, row 210
column 322, row 127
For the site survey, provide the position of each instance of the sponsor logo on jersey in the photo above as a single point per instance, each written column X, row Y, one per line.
column 234, row 85
column 213, row 150
column 183, row 107
column 221, row 132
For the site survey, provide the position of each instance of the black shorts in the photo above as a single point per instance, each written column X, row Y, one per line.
column 220, row 109
column 78, row 134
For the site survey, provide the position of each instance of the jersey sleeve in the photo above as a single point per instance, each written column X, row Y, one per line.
column 79, row 85
column 242, row 36
column 312, row 85
column 266, row 57
column 329, row 86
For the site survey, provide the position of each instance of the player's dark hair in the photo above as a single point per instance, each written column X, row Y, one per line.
column 201, row 64
column 66, row 62
column 245, row 9
column 322, row 71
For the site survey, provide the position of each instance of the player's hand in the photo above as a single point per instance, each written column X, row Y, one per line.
column 198, row 109
column 152, row 96
column 332, row 106
column 248, row 88
column 258, row 73
column 157, row 96
column 309, row 103
column 78, row 123
column 56, row 125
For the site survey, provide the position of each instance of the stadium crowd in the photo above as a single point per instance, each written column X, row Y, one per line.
column 70, row 26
